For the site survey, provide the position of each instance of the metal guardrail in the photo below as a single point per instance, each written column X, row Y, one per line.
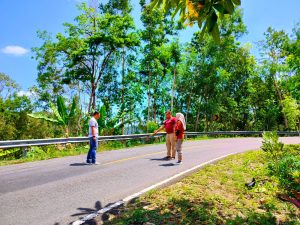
column 54, row 141
column 291, row 133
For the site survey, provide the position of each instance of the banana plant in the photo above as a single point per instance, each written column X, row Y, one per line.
column 62, row 115
column 122, row 118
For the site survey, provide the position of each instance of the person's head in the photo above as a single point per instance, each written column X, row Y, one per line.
column 168, row 114
column 96, row 114
column 179, row 115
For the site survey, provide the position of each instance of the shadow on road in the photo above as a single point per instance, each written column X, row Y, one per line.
column 168, row 164
column 79, row 164
column 99, row 218
column 159, row 159
column 86, row 211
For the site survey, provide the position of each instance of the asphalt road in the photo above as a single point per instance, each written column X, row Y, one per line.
column 59, row 191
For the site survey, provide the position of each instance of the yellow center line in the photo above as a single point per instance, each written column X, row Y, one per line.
column 141, row 156
column 136, row 157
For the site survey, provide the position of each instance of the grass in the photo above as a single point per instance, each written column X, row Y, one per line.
column 215, row 195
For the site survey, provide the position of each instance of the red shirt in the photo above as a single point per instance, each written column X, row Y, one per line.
column 179, row 131
column 170, row 124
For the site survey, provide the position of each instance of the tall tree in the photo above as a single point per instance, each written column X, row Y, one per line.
column 155, row 64
column 274, row 50
column 82, row 55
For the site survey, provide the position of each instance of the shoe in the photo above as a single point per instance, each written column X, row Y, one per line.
column 179, row 162
column 172, row 157
column 167, row 158
column 87, row 163
column 96, row 163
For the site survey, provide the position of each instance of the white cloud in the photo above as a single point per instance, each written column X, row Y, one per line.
column 14, row 50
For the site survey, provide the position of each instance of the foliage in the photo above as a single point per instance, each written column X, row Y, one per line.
column 86, row 49
column 61, row 113
column 273, row 148
column 289, row 173
column 291, row 109
column 283, row 162
column 151, row 127
column 137, row 75
column 205, row 13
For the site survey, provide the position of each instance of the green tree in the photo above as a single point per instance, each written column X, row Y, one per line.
column 155, row 65
column 214, row 84
column 273, row 48
column 86, row 49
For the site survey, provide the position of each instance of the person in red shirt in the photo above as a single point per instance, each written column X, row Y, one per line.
column 179, row 134
column 169, row 125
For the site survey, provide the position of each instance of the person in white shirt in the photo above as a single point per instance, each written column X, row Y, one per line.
column 93, row 136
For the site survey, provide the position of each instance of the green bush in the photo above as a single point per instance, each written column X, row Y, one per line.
column 289, row 172
column 273, row 148
column 151, row 126
column 283, row 162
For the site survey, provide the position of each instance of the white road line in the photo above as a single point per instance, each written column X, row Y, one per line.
column 129, row 198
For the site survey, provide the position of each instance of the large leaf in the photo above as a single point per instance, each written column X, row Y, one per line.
column 62, row 109
column 73, row 108
column 228, row 5
column 102, row 119
column 219, row 7
column 212, row 21
column 237, row 2
column 216, row 33
column 56, row 114
column 126, row 121
column 43, row 117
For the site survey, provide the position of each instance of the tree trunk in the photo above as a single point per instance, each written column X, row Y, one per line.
column 187, row 109
column 197, row 121
column 154, row 99
column 123, row 88
column 149, row 97
column 173, row 89
column 286, row 126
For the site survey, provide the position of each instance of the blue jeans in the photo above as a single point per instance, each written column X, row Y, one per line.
column 91, row 157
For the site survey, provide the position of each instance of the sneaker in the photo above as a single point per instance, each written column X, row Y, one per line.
column 172, row 157
column 87, row 163
column 179, row 162
column 96, row 163
column 167, row 158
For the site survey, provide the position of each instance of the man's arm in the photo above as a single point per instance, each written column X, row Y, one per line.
column 159, row 129
column 93, row 132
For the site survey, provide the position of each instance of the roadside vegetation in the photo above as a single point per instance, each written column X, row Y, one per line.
column 222, row 193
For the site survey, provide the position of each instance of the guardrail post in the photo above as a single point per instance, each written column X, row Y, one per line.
column 24, row 151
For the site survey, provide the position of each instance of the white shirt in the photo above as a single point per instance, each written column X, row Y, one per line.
column 93, row 123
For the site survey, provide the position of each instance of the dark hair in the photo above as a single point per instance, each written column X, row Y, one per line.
column 96, row 113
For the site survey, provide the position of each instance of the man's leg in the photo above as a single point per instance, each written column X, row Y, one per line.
column 94, row 150
column 89, row 155
column 168, row 143
column 179, row 149
column 173, row 146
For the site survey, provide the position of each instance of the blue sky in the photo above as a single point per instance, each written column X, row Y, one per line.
column 21, row 19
